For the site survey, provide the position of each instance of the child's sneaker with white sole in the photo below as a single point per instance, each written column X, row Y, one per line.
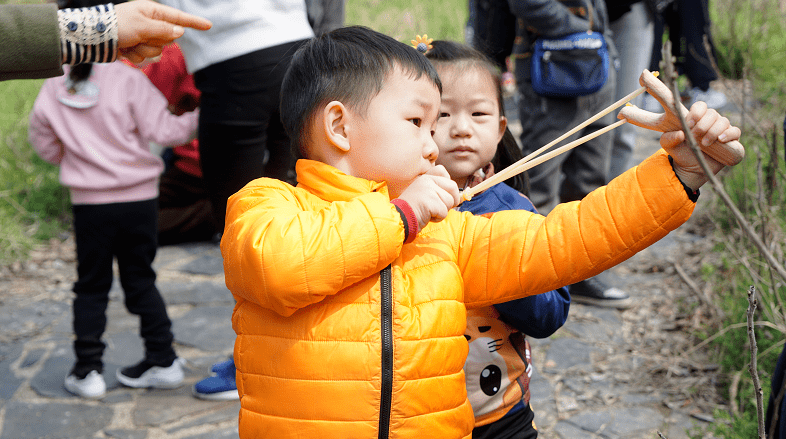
column 145, row 374
column 90, row 386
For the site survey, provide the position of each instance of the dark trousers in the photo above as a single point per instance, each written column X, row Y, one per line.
column 570, row 176
column 126, row 231
column 517, row 425
column 184, row 209
column 688, row 21
column 241, row 136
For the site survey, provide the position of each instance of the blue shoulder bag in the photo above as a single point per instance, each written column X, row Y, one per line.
column 571, row 65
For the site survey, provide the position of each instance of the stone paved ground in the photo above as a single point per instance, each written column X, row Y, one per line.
column 606, row 374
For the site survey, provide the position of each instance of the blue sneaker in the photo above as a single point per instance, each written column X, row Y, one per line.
column 220, row 386
column 224, row 367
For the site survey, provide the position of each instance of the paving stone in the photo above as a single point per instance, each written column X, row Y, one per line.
column 540, row 389
column 566, row 352
column 9, row 382
column 629, row 420
column 642, row 398
column 226, row 433
column 31, row 358
column 615, row 421
column 48, row 381
column 566, row 430
column 680, row 424
column 208, row 328
column 156, row 407
column 126, row 434
column 31, row 319
column 596, row 332
column 206, row 264
column 199, row 293
column 123, row 349
column 54, row 420
column 226, row 411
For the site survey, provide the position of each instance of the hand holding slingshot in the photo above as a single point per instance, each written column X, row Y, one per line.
column 729, row 153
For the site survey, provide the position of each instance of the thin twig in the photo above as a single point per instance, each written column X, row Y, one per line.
column 729, row 328
column 754, row 362
column 692, row 285
column 733, row 388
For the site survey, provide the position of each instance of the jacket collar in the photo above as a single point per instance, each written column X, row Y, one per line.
column 330, row 184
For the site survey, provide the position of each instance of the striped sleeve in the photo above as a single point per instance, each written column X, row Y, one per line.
column 88, row 34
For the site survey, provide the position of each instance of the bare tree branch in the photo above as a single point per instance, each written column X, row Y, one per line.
column 754, row 362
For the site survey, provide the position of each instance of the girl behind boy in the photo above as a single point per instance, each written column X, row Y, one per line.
column 473, row 141
column 96, row 123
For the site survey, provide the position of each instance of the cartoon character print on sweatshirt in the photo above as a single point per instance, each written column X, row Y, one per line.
column 493, row 363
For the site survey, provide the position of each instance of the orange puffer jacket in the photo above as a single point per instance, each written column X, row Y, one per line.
column 344, row 332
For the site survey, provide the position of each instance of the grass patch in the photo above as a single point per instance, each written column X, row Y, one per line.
column 33, row 204
column 403, row 20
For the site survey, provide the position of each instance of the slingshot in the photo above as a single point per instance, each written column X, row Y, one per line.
column 729, row 153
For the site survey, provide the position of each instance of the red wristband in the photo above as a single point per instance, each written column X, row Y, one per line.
column 409, row 219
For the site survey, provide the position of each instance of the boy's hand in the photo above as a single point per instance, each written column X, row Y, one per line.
column 431, row 195
column 728, row 152
column 707, row 126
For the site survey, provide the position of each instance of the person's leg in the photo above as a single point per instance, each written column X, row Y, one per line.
column 586, row 167
column 94, row 234
column 184, row 210
column 694, row 25
column 94, row 279
column 136, row 248
column 240, row 135
column 543, row 120
column 632, row 31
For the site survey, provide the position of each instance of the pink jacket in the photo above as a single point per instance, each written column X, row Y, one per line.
column 100, row 135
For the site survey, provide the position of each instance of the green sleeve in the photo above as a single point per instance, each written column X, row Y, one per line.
column 29, row 42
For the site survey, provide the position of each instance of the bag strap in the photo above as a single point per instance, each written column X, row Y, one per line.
column 591, row 13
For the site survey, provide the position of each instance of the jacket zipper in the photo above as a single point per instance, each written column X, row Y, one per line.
column 386, row 318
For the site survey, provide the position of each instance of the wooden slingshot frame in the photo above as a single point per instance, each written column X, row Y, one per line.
column 729, row 153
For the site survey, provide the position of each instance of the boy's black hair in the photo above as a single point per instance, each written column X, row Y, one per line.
column 465, row 57
column 348, row 65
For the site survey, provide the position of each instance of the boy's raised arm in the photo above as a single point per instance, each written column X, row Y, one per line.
column 284, row 254
column 517, row 253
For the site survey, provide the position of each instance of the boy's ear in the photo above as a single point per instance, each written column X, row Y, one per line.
column 334, row 119
column 503, row 123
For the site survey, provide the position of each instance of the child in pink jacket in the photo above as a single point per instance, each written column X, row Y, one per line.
column 96, row 122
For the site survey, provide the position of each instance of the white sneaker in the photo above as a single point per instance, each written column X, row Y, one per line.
column 145, row 374
column 713, row 98
column 91, row 386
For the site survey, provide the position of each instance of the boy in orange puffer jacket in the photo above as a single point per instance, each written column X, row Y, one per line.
column 352, row 287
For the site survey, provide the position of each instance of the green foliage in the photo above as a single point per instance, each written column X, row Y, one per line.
column 745, row 426
column 403, row 19
column 33, row 205
column 749, row 39
column 750, row 36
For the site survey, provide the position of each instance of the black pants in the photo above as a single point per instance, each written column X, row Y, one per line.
column 126, row 231
column 688, row 21
column 241, row 136
column 518, row 425
column 184, row 209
